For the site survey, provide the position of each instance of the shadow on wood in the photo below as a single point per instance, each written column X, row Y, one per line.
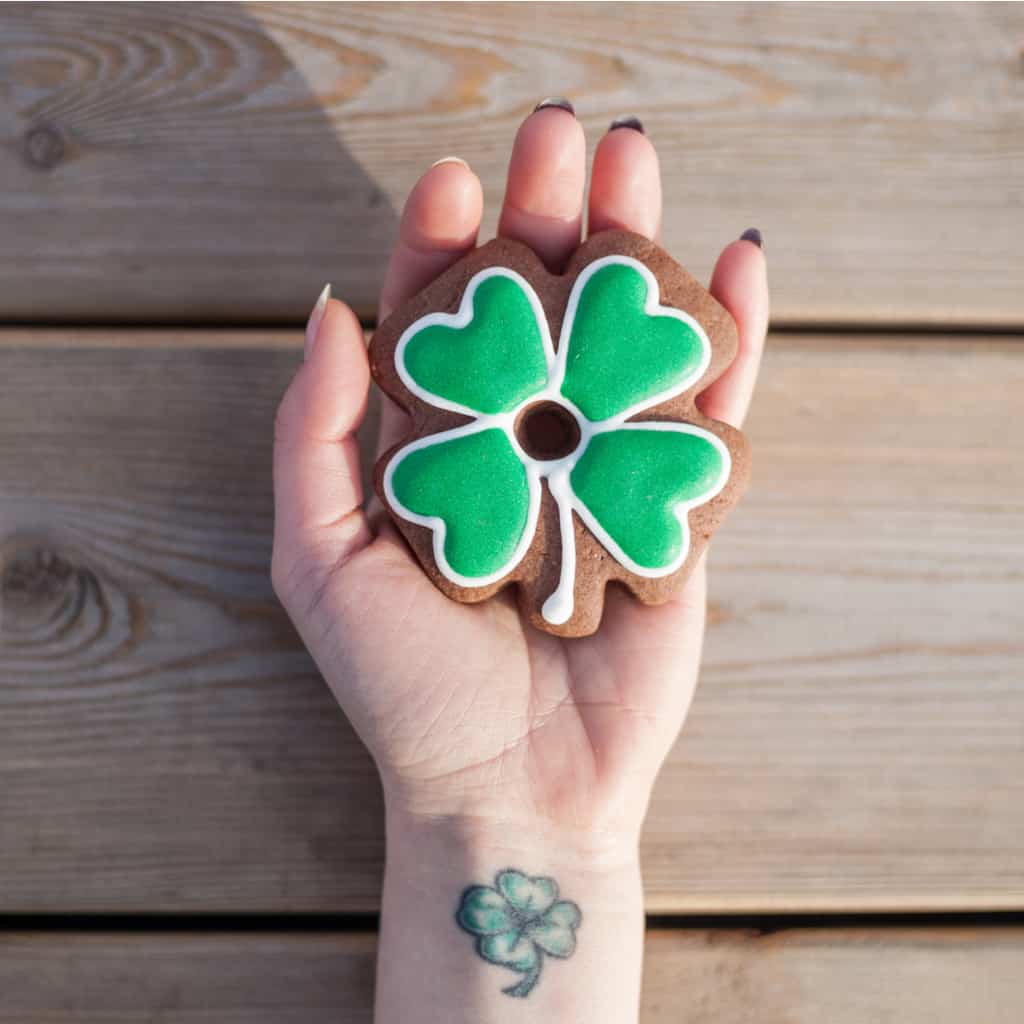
column 171, row 163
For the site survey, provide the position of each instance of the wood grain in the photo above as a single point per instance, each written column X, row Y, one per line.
column 165, row 743
column 219, row 162
column 914, row 976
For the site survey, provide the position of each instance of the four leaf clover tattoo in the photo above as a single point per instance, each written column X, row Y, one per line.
column 517, row 921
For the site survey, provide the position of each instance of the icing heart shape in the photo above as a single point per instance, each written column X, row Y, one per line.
column 471, row 482
column 496, row 340
column 636, row 483
column 624, row 349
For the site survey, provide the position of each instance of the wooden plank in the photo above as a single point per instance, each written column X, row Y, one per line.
column 931, row 976
column 914, row 976
column 178, row 978
column 223, row 161
column 166, row 744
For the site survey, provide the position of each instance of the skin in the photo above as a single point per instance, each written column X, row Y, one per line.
column 498, row 745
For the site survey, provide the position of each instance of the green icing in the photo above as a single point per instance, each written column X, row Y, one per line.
column 493, row 363
column 620, row 355
column 476, row 484
column 630, row 480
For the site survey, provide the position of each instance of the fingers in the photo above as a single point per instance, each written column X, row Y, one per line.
column 740, row 283
column 625, row 184
column 547, row 173
column 625, row 192
column 317, row 488
column 439, row 224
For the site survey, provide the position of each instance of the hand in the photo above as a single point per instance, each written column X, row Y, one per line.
column 469, row 713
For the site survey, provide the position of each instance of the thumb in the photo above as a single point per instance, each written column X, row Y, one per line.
column 318, row 493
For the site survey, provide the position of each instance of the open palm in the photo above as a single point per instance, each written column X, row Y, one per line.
column 467, row 710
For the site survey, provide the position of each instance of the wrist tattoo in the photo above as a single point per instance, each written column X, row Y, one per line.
column 516, row 921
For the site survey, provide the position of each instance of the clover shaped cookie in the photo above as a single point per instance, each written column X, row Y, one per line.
column 559, row 467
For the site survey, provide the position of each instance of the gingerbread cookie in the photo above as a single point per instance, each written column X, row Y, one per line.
column 559, row 466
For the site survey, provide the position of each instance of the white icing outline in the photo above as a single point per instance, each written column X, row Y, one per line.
column 652, row 307
column 461, row 319
column 558, row 607
column 561, row 600
column 437, row 525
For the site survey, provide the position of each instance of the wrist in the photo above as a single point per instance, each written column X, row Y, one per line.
column 432, row 840
column 493, row 909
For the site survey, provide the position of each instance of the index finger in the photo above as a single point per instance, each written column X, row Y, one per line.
column 439, row 225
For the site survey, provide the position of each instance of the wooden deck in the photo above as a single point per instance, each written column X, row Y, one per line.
column 177, row 182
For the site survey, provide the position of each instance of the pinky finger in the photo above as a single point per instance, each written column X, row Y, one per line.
column 740, row 283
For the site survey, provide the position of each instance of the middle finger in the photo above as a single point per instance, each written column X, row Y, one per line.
column 547, row 173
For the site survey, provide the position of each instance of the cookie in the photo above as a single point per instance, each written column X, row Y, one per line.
column 555, row 441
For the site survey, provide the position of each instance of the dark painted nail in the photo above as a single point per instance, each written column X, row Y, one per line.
column 753, row 235
column 627, row 121
column 556, row 101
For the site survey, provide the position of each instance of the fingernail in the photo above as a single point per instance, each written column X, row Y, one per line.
column 451, row 160
column 313, row 323
column 753, row 235
column 556, row 101
column 628, row 121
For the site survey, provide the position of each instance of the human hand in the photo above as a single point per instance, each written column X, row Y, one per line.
column 471, row 714
column 500, row 747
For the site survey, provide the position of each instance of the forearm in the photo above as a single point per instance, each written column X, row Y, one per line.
column 437, row 932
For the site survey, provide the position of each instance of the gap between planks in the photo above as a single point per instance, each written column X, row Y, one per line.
column 271, row 334
column 915, row 976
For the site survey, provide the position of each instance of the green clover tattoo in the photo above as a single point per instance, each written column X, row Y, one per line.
column 517, row 921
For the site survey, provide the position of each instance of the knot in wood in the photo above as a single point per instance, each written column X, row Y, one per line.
column 43, row 147
column 36, row 583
